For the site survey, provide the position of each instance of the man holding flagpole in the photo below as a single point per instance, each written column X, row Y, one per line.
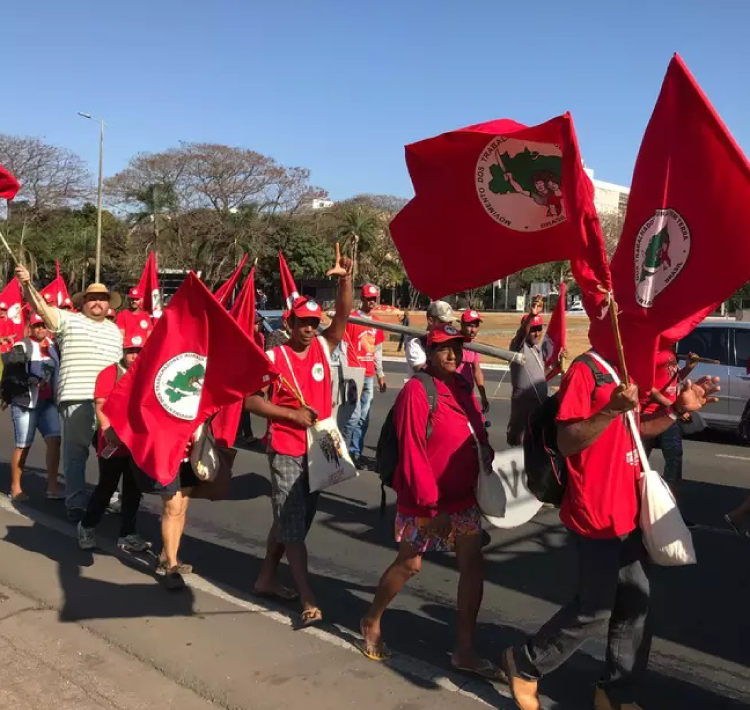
column 300, row 397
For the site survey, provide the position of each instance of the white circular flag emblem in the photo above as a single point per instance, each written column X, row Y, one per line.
column 179, row 383
column 14, row 313
column 519, row 183
column 661, row 249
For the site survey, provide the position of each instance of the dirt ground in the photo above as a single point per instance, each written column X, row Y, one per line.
column 498, row 330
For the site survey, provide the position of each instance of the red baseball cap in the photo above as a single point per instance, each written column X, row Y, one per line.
column 370, row 291
column 305, row 307
column 36, row 319
column 131, row 341
column 537, row 321
column 442, row 333
column 471, row 316
column 134, row 292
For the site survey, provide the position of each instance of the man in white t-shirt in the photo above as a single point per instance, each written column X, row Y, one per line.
column 88, row 343
column 416, row 354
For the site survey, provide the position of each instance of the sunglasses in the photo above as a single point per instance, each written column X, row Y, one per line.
column 96, row 297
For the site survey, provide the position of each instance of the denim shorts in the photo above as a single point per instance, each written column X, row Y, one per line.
column 26, row 421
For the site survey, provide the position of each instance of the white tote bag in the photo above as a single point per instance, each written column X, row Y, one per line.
column 328, row 460
column 665, row 535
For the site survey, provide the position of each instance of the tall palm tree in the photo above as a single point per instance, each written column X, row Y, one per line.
column 358, row 228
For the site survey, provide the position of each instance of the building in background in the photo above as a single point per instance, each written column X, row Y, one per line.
column 320, row 203
column 609, row 198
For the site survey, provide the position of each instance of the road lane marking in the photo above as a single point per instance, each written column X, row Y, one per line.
column 342, row 638
column 730, row 456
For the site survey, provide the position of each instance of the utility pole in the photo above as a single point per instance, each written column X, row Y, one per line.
column 98, row 267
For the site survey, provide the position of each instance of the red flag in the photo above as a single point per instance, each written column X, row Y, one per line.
column 555, row 337
column 492, row 199
column 687, row 208
column 56, row 288
column 12, row 298
column 9, row 186
column 196, row 360
column 149, row 287
column 227, row 421
column 288, row 287
column 224, row 292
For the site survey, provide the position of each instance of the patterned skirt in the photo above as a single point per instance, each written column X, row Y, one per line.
column 415, row 530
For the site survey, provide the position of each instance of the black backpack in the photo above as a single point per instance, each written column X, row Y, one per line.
column 387, row 453
column 546, row 468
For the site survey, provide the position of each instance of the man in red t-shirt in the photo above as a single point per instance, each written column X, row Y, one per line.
column 114, row 463
column 601, row 510
column 470, row 368
column 135, row 320
column 364, row 348
column 301, row 396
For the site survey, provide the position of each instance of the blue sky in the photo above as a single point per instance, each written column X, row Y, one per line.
column 340, row 86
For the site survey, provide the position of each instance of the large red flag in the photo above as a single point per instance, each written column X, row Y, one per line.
column 9, row 186
column 288, row 287
column 555, row 337
column 12, row 298
column 492, row 199
column 196, row 360
column 227, row 421
column 224, row 292
column 149, row 287
column 687, row 211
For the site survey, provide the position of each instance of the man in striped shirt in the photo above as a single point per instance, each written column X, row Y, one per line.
column 88, row 343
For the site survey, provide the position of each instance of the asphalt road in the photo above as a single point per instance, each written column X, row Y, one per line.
column 701, row 652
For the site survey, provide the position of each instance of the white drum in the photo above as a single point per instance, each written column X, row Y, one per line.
column 503, row 496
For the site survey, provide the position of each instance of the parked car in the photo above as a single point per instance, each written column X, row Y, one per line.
column 576, row 307
column 729, row 343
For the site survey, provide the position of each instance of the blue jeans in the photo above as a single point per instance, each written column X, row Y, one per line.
column 78, row 426
column 356, row 427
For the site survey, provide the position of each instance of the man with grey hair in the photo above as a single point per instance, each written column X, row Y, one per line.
column 416, row 348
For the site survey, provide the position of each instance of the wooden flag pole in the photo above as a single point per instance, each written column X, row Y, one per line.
column 618, row 340
column 12, row 255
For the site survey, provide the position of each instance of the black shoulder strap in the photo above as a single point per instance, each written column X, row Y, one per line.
column 428, row 382
column 600, row 378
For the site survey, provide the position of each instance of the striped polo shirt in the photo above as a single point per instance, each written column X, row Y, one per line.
column 86, row 348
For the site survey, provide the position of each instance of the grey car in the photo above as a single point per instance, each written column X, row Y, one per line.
column 729, row 343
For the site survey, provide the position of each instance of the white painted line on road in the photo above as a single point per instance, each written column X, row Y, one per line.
column 729, row 456
column 344, row 638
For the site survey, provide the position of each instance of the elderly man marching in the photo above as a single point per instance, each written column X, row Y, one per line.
column 88, row 343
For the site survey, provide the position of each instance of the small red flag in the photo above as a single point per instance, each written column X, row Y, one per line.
column 57, row 288
column 288, row 287
column 12, row 298
column 149, row 287
column 492, row 199
column 9, row 186
column 555, row 337
column 224, row 292
column 687, row 207
column 196, row 360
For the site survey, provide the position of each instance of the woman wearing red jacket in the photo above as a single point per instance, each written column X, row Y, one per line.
column 436, row 507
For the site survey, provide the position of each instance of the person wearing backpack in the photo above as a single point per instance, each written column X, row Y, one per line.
column 601, row 508
column 441, row 453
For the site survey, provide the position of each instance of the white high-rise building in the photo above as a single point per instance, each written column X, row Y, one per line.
column 609, row 198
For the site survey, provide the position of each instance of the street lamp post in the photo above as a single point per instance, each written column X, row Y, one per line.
column 98, row 266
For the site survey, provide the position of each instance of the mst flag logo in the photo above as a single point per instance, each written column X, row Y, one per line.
column 661, row 250
column 178, row 384
column 519, row 183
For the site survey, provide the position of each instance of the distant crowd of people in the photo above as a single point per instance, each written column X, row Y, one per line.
column 57, row 379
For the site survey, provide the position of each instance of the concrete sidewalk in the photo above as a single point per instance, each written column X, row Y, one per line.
column 83, row 631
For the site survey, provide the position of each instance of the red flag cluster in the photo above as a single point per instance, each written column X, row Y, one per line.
column 148, row 287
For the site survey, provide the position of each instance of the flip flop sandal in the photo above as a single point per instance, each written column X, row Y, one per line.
column 310, row 617
column 486, row 669
column 282, row 594
column 372, row 652
column 20, row 498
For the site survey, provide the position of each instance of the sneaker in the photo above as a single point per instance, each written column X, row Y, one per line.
column 86, row 538
column 133, row 543
column 115, row 503
column 602, row 702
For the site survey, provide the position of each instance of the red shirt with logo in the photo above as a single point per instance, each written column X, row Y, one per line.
column 361, row 343
column 136, row 322
column 105, row 383
column 310, row 375
column 601, row 500
column 665, row 379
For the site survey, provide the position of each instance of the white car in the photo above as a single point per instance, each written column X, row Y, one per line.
column 576, row 307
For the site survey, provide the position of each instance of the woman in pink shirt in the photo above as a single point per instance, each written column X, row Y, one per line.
column 436, row 507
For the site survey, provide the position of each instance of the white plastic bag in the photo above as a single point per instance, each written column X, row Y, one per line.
column 665, row 535
column 328, row 459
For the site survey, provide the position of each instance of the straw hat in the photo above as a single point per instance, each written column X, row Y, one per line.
column 115, row 300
